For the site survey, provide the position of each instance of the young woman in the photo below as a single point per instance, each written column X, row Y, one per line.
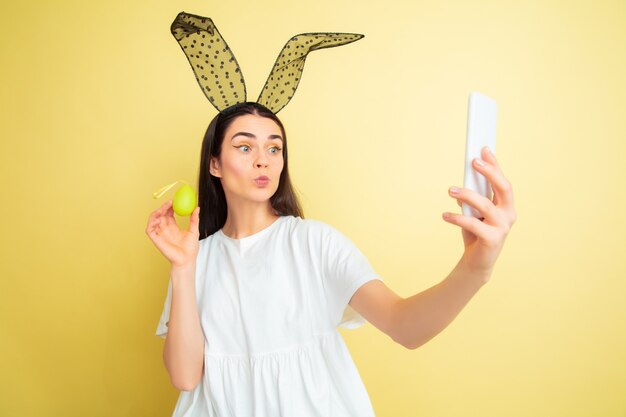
column 256, row 292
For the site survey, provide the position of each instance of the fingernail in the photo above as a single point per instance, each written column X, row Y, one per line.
column 480, row 162
column 446, row 215
column 487, row 149
column 454, row 190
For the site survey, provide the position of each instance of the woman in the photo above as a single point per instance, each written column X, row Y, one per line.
column 256, row 292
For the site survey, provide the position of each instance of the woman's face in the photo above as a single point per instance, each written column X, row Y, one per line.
column 251, row 159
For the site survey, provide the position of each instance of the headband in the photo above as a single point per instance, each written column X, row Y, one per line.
column 220, row 76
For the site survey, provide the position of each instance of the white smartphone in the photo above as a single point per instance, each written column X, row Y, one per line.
column 481, row 131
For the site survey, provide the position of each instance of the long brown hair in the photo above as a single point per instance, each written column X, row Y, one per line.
column 211, row 197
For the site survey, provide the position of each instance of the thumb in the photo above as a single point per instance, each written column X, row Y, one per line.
column 194, row 220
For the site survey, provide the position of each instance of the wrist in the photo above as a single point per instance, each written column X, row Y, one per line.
column 185, row 269
column 480, row 276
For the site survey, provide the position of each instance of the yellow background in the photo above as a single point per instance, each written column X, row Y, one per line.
column 100, row 108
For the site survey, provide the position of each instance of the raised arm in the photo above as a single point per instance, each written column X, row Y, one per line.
column 415, row 320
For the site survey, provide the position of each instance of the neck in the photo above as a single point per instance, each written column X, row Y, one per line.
column 246, row 219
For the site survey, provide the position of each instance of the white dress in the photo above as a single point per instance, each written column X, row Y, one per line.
column 269, row 307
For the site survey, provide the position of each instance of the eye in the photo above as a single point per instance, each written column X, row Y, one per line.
column 275, row 149
column 244, row 148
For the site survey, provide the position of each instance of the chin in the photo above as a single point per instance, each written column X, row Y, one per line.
column 261, row 196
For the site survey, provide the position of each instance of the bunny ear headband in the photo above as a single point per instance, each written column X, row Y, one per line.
column 219, row 74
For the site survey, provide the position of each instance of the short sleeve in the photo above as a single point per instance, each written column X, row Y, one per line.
column 346, row 269
column 161, row 330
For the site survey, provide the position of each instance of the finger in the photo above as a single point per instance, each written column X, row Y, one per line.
column 156, row 222
column 489, row 156
column 477, row 201
column 502, row 190
column 153, row 230
column 169, row 226
column 471, row 224
column 160, row 211
column 152, row 224
column 153, row 220
column 165, row 207
column 194, row 221
column 169, row 216
column 162, row 223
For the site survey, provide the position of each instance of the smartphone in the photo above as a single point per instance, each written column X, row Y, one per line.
column 481, row 131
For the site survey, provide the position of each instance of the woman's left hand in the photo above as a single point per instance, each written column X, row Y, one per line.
column 484, row 238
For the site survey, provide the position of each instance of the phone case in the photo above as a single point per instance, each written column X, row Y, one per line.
column 481, row 131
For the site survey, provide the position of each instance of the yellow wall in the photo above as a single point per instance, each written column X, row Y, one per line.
column 100, row 108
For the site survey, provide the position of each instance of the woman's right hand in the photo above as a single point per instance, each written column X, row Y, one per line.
column 180, row 247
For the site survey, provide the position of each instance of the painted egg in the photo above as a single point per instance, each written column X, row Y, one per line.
column 184, row 201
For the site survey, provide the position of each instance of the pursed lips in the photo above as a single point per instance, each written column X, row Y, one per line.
column 262, row 181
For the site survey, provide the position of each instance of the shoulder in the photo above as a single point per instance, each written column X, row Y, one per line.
column 207, row 240
column 308, row 226
column 207, row 245
column 313, row 231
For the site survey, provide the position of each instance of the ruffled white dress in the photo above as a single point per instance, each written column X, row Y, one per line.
column 270, row 305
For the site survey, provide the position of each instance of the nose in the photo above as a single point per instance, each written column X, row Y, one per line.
column 261, row 161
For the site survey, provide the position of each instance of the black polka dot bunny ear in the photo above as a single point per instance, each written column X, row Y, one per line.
column 212, row 61
column 287, row 71
column 219, row 74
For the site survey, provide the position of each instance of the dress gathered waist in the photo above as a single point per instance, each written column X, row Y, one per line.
column 281, row 352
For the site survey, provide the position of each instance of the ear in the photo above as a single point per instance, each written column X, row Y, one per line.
column 212, row 61
column 214, row 168
column 287, row 70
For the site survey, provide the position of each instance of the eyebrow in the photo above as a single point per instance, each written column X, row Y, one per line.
column 250, row 135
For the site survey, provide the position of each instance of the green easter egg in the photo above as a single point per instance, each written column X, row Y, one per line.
column 184, row 201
